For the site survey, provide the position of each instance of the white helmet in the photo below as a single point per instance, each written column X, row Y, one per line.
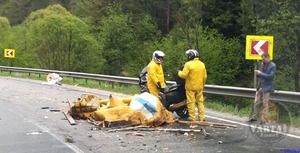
column 158, row 56
column 191, row 54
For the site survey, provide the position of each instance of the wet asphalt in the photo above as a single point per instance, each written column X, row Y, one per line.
column 31, row 120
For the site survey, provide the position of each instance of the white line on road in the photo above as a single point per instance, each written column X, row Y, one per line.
column 243, row 124
column 61, row 140
column 69, row 145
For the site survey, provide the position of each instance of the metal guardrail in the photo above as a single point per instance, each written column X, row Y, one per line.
column 282, row 96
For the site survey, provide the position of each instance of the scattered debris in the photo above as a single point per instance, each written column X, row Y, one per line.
column 211, row 124
column 135, row 133
column 142, row 112
column 46, row 107
column 35, row 133
column 144, row 109
column 69, row 117
column 54, row 110
column 54, row 78
column 143, row 128
column 128, row 128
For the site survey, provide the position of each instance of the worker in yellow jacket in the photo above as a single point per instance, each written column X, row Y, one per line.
column 194, row 73
column 156, row 80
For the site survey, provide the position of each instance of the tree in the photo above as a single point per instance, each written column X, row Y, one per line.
column 5, row 29
column 58, row 38
column 122, row 39
column 281, row 20
column 221, row 56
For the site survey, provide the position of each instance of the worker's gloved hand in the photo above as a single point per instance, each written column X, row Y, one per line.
column 176, row 74
column 158, row 85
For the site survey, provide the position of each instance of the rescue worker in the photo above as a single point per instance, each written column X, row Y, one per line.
column 194, row 73
column 156, row 80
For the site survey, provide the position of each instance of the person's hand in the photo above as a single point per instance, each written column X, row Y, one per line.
column 257, row 72
column 158, row 85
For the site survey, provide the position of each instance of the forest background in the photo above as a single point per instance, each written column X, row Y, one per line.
column 118, row 37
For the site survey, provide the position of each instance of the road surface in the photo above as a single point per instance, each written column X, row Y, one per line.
column 28, row 126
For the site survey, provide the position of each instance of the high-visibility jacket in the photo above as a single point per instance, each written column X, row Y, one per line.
column 155, row 74
column 194, row 73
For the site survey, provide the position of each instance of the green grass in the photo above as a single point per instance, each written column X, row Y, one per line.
column 221, row 107
column 296, row 121
column 247, row 110
column 116, row 87
column 134, row 89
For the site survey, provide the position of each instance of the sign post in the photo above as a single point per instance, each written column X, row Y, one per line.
column 255, row 47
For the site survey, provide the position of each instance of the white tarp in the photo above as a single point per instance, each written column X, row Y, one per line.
column 53, row 78
column 145, row 103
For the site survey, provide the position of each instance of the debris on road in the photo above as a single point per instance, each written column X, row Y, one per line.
column 142, row 112
column 144, row 109
column 54, row 110
column 70, row 118
column 54, row 78
column 211, row 124
column 156, row 129
column 135, row 133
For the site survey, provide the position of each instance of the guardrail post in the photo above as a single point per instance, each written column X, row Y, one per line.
column 113, row 85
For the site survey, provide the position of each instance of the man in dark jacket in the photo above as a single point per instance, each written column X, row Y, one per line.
column 266, row 74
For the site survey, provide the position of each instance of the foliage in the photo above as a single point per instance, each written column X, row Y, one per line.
column 282, row 21
column 4, row 32
column 123, row 38
column 59, row 44
column 221, row 56
column 119, row 36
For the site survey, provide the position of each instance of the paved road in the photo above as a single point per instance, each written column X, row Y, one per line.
column 25, row 127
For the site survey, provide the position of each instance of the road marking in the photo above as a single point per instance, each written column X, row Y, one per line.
column 243, row 124
column 69, row 145
column 45, row 129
